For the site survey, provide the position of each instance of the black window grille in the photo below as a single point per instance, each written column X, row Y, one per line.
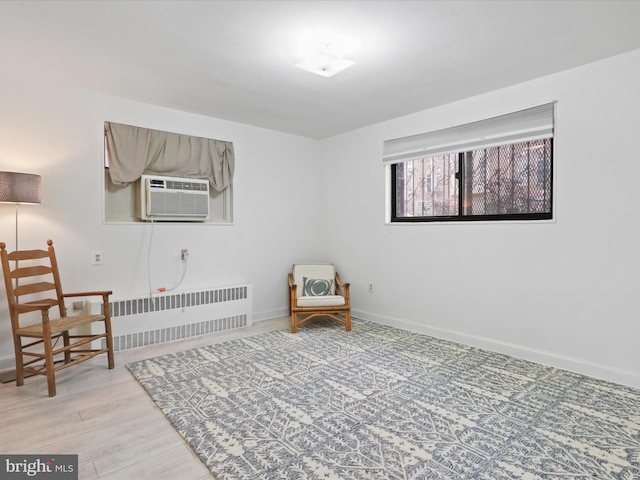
column 507, row 182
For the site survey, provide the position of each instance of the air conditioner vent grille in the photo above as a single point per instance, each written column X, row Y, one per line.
column 173, row 199
column 183, row 185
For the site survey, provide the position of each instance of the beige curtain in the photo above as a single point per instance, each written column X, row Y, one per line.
column 134, row 151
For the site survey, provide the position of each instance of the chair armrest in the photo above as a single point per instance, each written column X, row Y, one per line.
column 293, row 288
column 340, row 283
column 99, row 293
column 96, row 293
column 293, row 293
column 30, row 307
column 44, row 308
column 345, row 288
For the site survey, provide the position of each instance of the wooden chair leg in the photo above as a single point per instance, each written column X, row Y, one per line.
column 347, row 321
column 19, row 361
column 65, row 341
column 109, row 344
column 107, row 329
column 294, row 322
column 51, row 375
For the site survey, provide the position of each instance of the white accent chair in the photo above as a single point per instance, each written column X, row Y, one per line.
column 315, row 290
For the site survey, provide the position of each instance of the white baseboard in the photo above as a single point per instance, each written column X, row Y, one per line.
column 7, row 363
column 271, row 314
column 603, row 372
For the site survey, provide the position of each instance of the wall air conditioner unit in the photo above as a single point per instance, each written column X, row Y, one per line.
column 173, row 199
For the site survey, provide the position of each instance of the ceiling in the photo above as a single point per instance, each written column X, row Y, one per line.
column 234, row 59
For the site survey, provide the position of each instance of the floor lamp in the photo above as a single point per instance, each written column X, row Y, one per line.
column 18, row 188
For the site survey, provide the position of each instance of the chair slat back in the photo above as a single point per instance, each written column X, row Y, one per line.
column 33, row 271
column 31, row 288
column 18, row 255
column 28, row 275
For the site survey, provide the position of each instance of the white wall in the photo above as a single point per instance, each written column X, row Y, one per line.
column 565, row 293
column 562, row 292
column 58, row 134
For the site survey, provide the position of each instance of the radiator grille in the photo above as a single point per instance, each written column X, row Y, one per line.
column 174, row 301
column 170, row 334
column 143, row 321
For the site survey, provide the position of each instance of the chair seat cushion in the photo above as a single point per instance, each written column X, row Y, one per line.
column 321, row 301
column 58, row 325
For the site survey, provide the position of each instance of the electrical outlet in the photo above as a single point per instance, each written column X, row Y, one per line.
column 96, row 257
column 371, row 288
column 184, row 254
column 79, row 305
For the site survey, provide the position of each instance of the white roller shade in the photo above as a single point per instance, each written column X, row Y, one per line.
column 531, row 124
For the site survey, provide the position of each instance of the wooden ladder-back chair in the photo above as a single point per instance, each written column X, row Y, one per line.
column 37, row 344
column 315, row 290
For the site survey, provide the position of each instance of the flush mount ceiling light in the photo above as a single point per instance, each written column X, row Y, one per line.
column 324, row 63
column 325, row 52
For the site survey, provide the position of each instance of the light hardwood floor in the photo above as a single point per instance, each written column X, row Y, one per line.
column 106, row 417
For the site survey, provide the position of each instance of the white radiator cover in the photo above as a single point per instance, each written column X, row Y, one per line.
column 169, row 316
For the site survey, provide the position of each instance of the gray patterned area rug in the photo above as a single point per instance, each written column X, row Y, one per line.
column 384, row 403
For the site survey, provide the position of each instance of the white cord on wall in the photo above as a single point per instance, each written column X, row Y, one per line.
column 160, row 290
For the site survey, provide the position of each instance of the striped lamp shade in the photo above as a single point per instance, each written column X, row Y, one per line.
column 19, row 188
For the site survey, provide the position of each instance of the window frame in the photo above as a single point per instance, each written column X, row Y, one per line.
column 461, row 217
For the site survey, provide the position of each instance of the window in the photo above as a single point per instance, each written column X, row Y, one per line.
column 496, row 169
column 133, row 151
